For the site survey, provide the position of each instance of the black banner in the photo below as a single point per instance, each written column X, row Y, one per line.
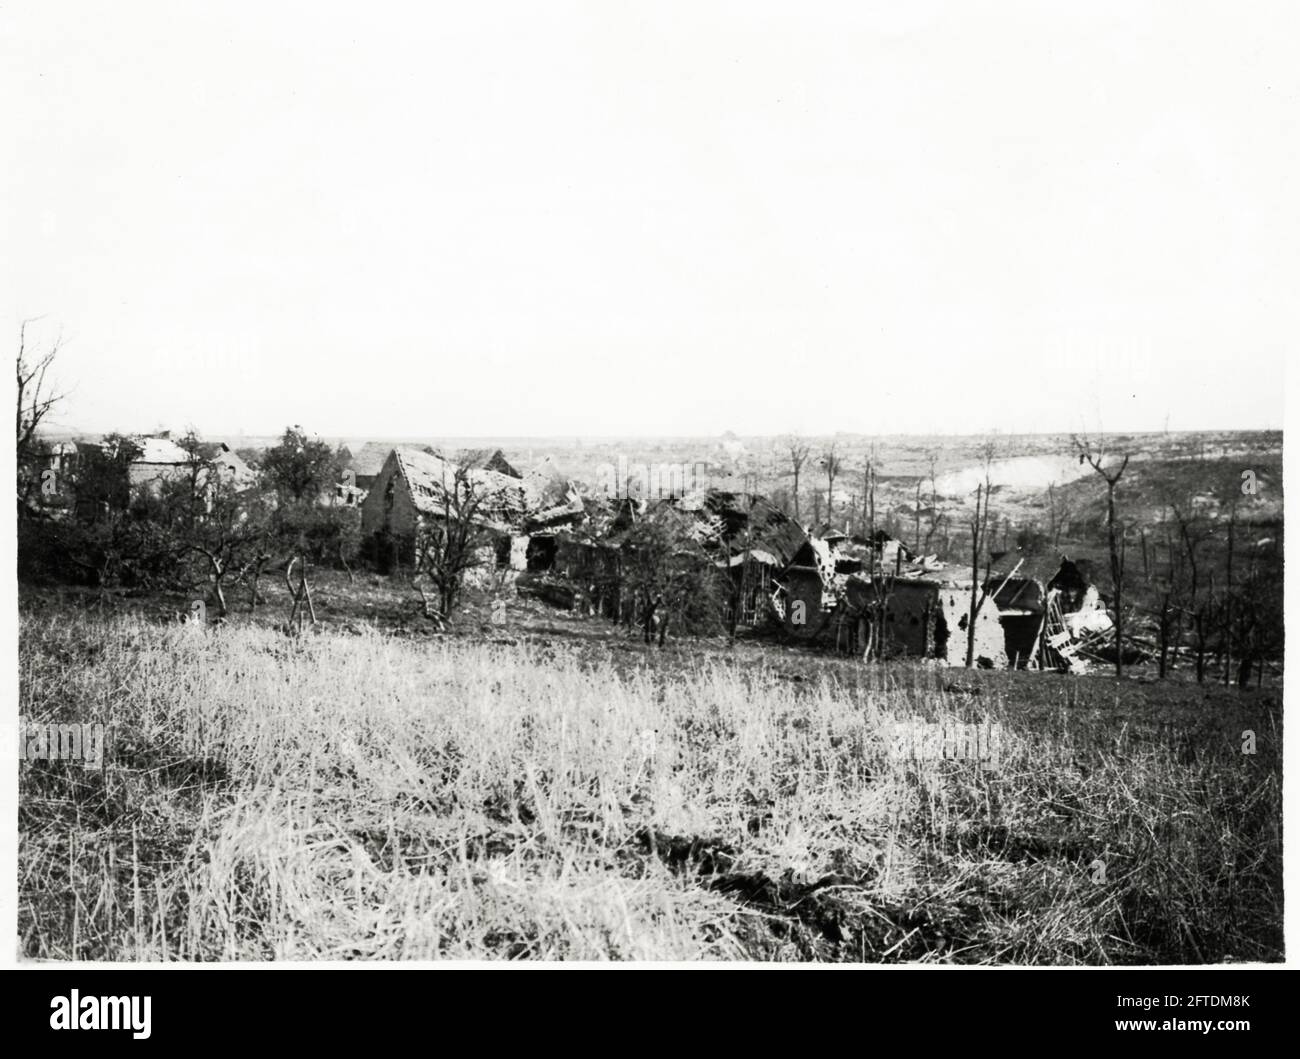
column 334, row 1007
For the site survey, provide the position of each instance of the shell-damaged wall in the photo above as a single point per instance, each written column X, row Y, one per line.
column 810, row 585
column 804, row 616
column 911, row 614
column 990, row 640
column 930, row 620
column 925, row 619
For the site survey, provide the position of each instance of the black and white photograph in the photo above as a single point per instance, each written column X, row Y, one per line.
column 668, row 484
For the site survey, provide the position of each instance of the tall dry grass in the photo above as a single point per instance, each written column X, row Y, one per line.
column 341, row 797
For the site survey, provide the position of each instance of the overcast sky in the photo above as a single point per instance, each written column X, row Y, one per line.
column 608, row 218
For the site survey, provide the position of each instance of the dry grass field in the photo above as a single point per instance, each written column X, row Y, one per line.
column 353, row 794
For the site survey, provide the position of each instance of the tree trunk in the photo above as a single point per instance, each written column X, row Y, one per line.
column 252, row 600
column 976, row 533
column 1199, row 626
column 1117, row 576
column 1227, row 632
column 1164, row 635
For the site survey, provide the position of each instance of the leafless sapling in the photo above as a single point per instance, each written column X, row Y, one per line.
column 1095, row 455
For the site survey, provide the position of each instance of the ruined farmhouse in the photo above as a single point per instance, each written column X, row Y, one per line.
column 870, row 596
column 162, row 460
column 873, row 596
column 366, row 463
column 414, row 487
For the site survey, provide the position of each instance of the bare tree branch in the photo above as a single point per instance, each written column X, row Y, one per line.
column 35, row 401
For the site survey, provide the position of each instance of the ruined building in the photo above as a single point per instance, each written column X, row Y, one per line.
column 836, row 591
column 414, row 487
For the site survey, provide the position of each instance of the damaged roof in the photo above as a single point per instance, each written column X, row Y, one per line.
column 571, row 512
column 369, row 460
column 1043, row 567
column 754, row 523
column 714, row 518
column 161, row 450
column 164, row 452
column 430, row 479
column 488, row 460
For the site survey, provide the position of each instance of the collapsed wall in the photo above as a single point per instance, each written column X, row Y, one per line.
column 1021, row 605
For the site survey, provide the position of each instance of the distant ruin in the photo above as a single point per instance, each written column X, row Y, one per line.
column 867, row 596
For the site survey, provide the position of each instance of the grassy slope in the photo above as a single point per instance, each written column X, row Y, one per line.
column 365, row 796
column 1144, row 491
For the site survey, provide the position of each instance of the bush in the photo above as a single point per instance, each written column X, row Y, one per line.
column 117, row 549
column 328, row 536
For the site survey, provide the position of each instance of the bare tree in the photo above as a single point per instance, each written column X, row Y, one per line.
column 1095, row 457
column 229, row 535
column 1226, row 616
column 742, row 588
column 1165, row 582
column 979, row 529
column 35, row 400
column 449, row 545
column 882, row 581
column 1055, row 515
column 869, row 491
column 832, row 463
column 937, row 516
column 1192, row 534
column 188, row 496
column 869, row 494
column 1257, row 624
column 671, row 578
column 798, row 451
